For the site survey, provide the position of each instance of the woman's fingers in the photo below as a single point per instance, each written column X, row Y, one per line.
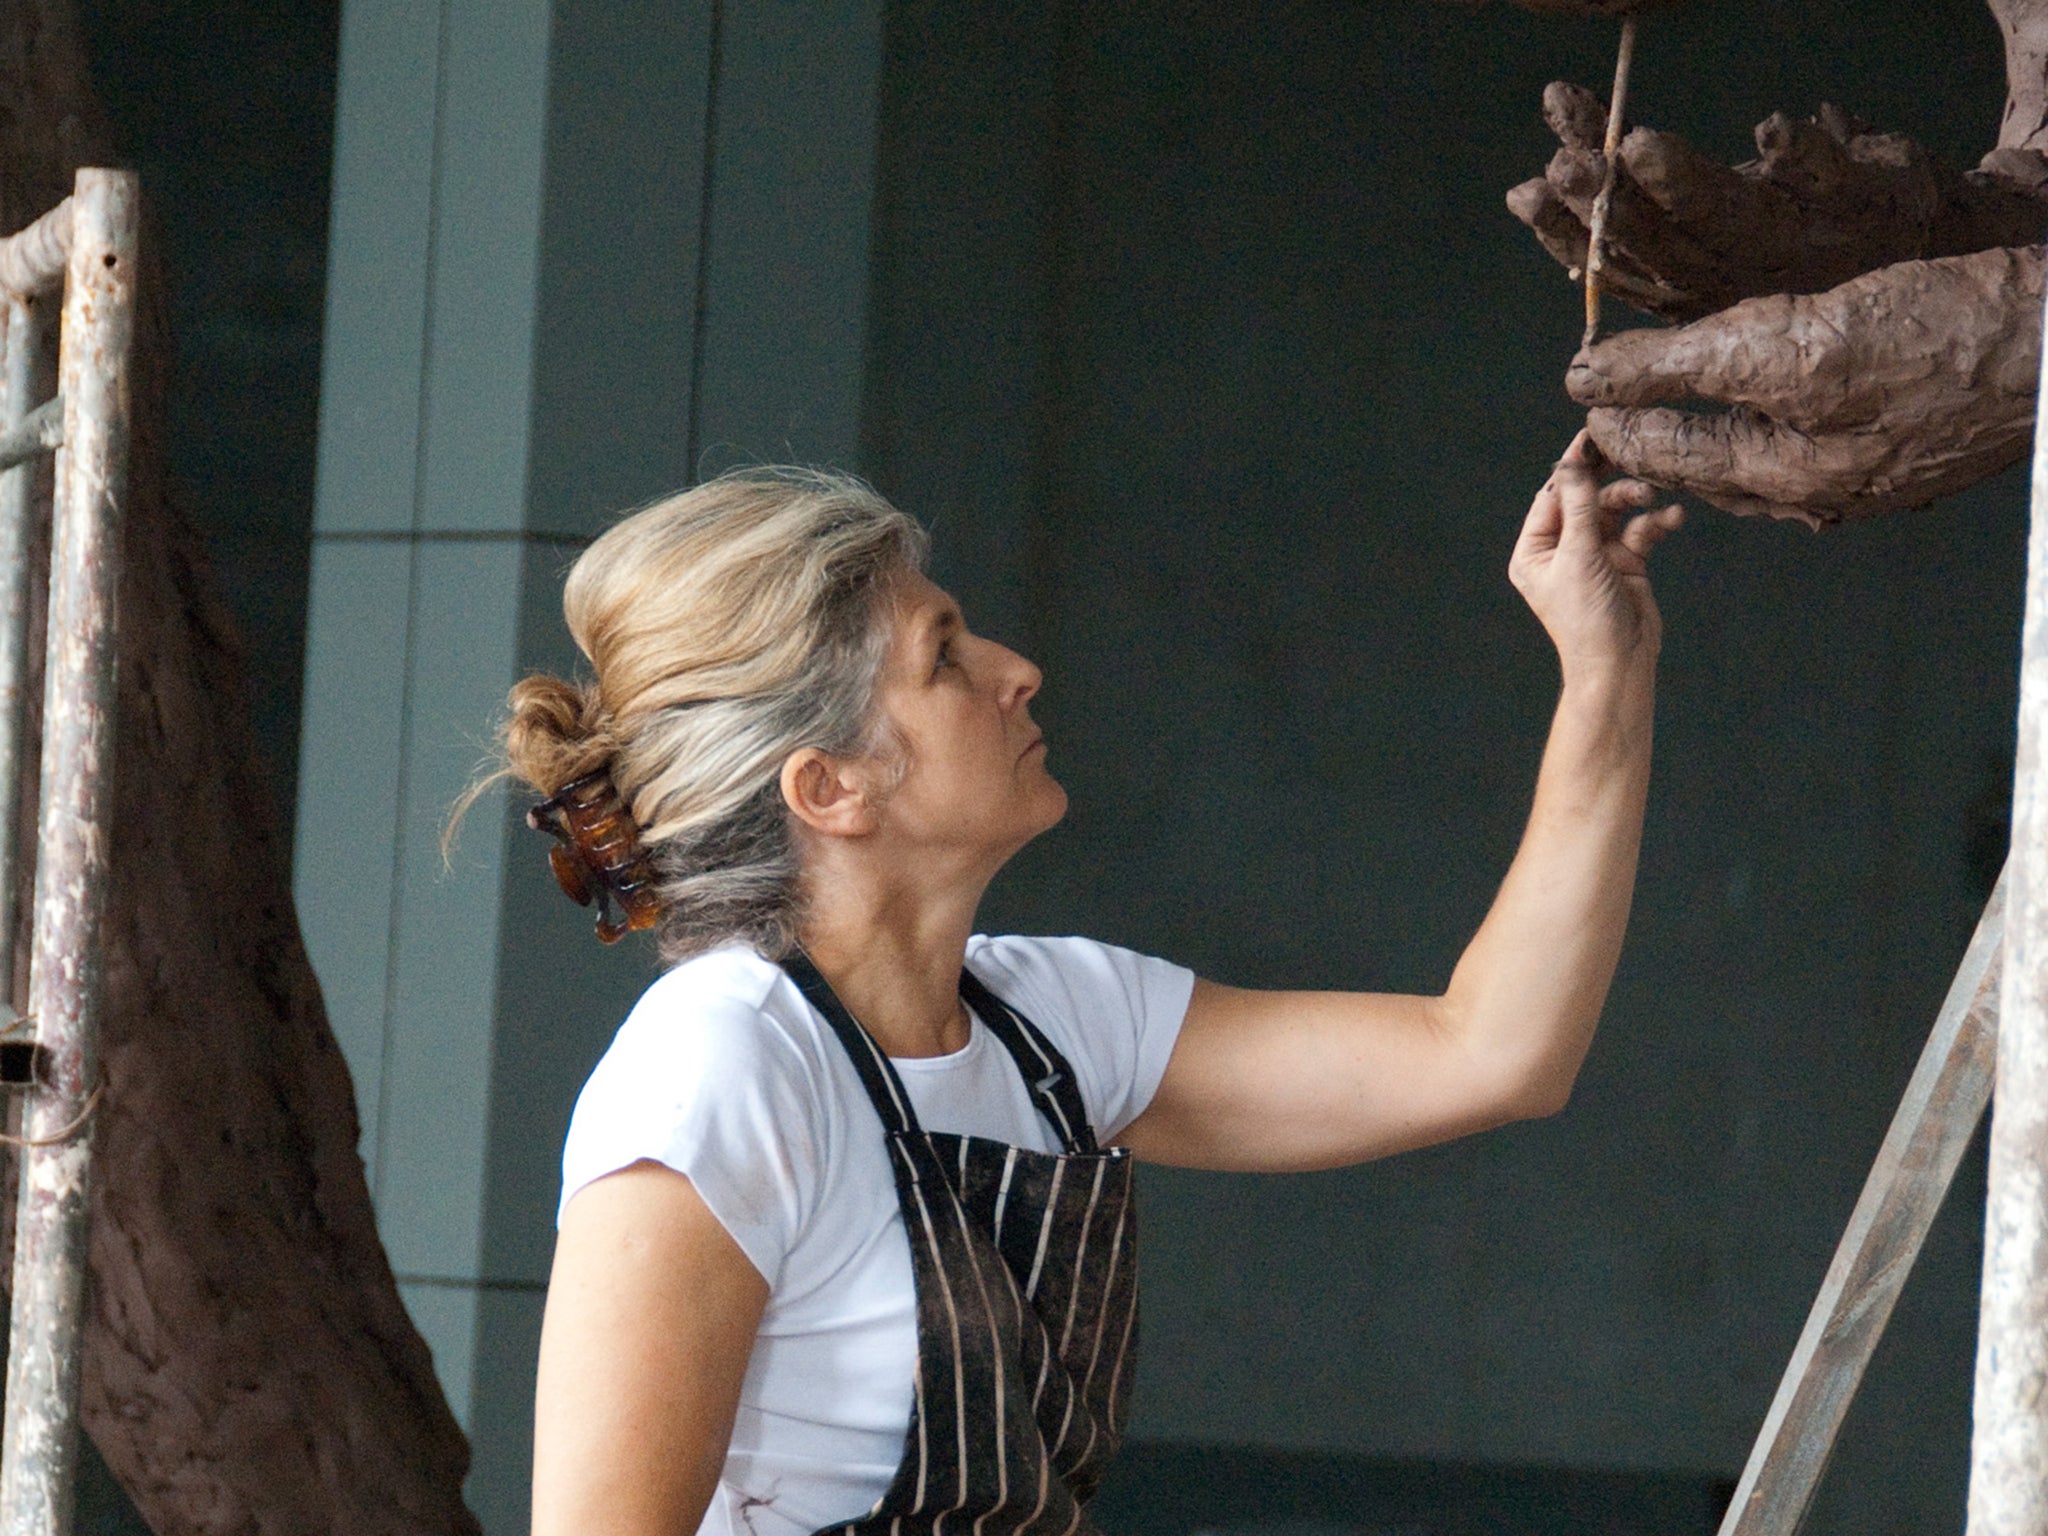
column 1618, row 499
column 1574, row 497
column 1646, row 530
column 1546, row 516
column 1577, row 478
column 1621, row 495
column 1545, row 522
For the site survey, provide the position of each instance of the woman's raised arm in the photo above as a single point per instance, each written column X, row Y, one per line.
column 1287, row 1080
column 651, row 1315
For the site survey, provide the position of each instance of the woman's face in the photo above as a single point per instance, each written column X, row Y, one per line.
column 976, row 781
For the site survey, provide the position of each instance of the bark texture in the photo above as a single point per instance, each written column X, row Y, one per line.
column 1872, row 316
column 249, row 1366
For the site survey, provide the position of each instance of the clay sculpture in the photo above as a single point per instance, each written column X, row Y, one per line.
column 1861, row 322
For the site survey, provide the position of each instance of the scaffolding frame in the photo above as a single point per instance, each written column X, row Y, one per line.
column 85, row 250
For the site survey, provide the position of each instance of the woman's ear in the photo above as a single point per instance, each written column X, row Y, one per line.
column 827, row 794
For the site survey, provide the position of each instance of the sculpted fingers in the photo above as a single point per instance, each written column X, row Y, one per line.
column 1736, row 461
column 1753, row 466
column 1743, row 355
column 1575, row 115
column 1560, row 231
column 1923, row 342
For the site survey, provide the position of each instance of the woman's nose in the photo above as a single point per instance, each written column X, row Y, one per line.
column 1023, row 678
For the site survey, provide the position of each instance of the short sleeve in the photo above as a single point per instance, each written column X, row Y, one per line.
column 1114, row 1013
column 709, row 1088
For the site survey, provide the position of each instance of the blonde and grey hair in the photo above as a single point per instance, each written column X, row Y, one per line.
column 726, row 627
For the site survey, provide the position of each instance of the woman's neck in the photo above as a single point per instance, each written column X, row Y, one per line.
column 894, row 958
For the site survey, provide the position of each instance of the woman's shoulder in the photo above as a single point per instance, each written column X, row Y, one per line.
column 718, row 1073
column 728, row 1005
column 721, row 1027
column 1113, row 1012
column 1069, row 972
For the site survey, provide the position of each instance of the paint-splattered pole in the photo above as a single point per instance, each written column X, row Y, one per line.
column 2009, row 1438
column 1596, row 226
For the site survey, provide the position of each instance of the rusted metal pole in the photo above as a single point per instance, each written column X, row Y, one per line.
column 32, row 260
column 2009, row 1436
column 20, row 389
column 1935, row 1122
column 38, row 1461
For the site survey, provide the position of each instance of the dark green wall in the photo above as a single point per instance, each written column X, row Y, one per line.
column 226, row 108
column 1204, row 340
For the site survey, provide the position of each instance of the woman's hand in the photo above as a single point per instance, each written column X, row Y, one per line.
column 1582, row 563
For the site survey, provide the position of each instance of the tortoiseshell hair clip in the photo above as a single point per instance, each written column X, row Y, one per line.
column 597, row 855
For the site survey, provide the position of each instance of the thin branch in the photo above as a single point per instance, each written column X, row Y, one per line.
column 1596, row 227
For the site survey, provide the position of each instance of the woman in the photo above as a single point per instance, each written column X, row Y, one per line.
column 849, row 1166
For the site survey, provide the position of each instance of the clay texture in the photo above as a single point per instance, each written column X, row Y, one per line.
column 249, row 1366
column 1870, row 316
column 1894, row 389
column 1826, row 199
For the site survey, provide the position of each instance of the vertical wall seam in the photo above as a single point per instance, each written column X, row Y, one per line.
column 412, row 591
column 704, row 205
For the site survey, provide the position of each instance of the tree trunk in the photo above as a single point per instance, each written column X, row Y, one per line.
column 249, row 1366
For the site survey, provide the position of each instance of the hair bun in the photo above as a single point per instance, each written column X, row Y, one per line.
column 556, row 733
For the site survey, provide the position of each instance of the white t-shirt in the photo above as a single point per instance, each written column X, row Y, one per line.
column 726, row 1074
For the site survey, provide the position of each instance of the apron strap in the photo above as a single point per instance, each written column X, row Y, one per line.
column 884, row 1087
column 1046, row 1072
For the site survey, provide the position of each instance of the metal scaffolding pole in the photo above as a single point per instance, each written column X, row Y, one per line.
column 38, row 1461
column 20, row 390
column 2009, row 1438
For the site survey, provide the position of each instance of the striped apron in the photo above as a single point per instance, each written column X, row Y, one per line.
column 1027, row 1298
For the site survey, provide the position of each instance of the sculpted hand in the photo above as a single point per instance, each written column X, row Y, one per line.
column 1902, row 386
column 1582, row 563
column 1826, row 200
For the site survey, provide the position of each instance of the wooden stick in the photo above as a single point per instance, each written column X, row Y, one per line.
column 1596, row 227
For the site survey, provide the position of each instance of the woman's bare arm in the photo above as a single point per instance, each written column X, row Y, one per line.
column 1284, row 1080
column 651, row 1314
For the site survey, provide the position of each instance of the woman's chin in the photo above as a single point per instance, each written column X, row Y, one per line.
column 1056, row 803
